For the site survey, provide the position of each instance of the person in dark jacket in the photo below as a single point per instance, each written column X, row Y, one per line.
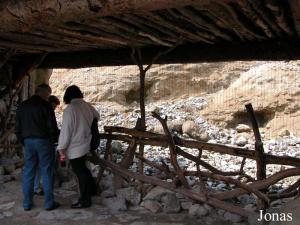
column 37, row 130
column 37, row 190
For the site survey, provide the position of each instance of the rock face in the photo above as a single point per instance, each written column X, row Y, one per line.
column 272, row 88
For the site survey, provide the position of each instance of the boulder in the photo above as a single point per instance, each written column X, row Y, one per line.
column 170, row 203
column 194, row 131
column 152, row 205
column 107, row 193
column 233, row 217
column 116, row 147
column 107, row 182
column 284, row 132
column 115, row 203
column 241, row 141
column 130, row 194
column 198, row 211
column 186, row 205
column 243, row 128
column 156, row 193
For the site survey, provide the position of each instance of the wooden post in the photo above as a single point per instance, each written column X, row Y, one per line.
column 259, row 153
column 259, row 149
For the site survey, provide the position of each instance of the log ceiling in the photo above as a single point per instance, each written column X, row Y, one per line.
column 78, row 33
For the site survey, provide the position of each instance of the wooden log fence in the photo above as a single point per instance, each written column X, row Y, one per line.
column 257, row 186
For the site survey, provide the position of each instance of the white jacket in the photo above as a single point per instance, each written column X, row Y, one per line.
column 75, row 135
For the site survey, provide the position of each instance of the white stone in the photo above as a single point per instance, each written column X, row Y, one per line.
column 241, row 141
column 243, row 128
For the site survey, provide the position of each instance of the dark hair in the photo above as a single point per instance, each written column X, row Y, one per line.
column 72, row 92
column 53, row 99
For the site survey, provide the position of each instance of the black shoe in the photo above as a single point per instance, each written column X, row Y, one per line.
column 80, row 205
column 27, row 209
column 55, row 206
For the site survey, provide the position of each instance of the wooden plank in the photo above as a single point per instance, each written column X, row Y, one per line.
column 265, row 50
column 24, row 14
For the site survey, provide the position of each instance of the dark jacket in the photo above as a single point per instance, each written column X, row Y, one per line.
column 36, row 119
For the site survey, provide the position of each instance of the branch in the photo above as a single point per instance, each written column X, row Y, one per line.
column 172, row 147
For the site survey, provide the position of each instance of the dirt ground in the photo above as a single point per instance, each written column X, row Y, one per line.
column 12, row 213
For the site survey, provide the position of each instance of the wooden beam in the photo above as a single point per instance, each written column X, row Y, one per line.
column 268, row 50
column 6, row 56
column 259, row 185
column 24, row 14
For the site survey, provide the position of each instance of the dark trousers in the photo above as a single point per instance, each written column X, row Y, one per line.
column 87, row 185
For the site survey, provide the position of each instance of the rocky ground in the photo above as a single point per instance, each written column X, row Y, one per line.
column 11, row 212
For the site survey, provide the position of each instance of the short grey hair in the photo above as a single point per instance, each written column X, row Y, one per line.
column 42, row 88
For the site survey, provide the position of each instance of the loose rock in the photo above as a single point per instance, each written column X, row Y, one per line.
column 152, row 205
column 170, row 203
column 198, row 211
column 243, row 128
column 130, row 194
column 233, row 217
column 115, row 204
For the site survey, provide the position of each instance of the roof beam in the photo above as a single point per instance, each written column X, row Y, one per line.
column 265, row 50
column 24, row 14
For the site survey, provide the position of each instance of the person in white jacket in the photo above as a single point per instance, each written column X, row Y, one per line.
column 74, row 141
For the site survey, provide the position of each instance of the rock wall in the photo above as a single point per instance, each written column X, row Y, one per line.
column 272, row 88
column 9, row 101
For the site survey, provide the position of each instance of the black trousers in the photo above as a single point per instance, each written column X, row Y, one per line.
column 87, row 185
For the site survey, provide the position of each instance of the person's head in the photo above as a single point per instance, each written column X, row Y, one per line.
column 44, row 91
column 72, row 92
column 54, row 101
